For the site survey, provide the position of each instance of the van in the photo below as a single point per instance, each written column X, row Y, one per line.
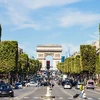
column 90, row 84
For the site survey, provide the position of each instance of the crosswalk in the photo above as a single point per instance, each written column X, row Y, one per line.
column 39, row 98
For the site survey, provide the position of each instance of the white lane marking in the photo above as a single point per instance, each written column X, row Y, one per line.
column 26, row 97
column 70, row 98
column 60, row 98
column 37, row 97
column 15, row 97
column 99, row 98
column 89, row 98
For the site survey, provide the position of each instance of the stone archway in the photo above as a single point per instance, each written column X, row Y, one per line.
column 50, row 49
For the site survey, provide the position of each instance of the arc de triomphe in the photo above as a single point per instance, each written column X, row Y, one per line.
column 50, row 49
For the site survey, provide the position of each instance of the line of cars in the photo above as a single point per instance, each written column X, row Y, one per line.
column 69, row 83
column 89, row 85
column 8, row 90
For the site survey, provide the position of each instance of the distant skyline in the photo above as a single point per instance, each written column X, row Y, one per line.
column 69, row 23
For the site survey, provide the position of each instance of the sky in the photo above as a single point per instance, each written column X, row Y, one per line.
column 69, row 23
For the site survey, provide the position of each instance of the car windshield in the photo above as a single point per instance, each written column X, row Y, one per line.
column 92, row 83
column 67, row 83
column 32, row 82
column 5, row 86
column 18, row 84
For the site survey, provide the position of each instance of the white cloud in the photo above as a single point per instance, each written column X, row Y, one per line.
column 35, row 4
column 17, row 11
column 78, row 18
column 22, row 26
column 69, row 49
column 17, row 15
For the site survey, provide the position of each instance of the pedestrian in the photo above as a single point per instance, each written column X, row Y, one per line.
column 83, row 93
column 51, row 84
column 37, row 83
column 81, row 89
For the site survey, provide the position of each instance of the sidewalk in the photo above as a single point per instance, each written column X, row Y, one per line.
column 97, row 88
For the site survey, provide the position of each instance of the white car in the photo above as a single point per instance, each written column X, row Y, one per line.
column 67, row 86
column 31, row 83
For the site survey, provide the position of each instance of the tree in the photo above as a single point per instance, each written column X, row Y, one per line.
column 8, row 56
column 77, row 64
column 23, row 64
column 88, row 58
column 34, row 66
column 9, row 59
column 97, row 65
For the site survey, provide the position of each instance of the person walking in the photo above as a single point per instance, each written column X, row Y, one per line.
column 83, row 93
column 81, row 89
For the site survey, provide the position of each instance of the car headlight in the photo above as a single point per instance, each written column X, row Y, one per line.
column 10, row 91
column 0, row 91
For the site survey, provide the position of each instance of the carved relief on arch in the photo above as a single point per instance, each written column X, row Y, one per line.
column 57, row 55
column 47, row 54
column 40, row 55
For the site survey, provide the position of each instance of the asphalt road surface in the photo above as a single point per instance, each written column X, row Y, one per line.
column 57, row 93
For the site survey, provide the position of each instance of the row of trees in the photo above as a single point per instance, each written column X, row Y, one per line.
column 86, row 62
column 15, row 63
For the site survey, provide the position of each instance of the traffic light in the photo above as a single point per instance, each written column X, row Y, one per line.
column 48, row 64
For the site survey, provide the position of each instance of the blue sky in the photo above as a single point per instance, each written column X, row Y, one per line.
column 69, row 23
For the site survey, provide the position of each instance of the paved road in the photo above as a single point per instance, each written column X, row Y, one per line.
column 38, row 93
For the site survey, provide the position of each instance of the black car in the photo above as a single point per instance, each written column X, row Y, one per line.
column 67, row 85
column 6, row 90
column 44, row 83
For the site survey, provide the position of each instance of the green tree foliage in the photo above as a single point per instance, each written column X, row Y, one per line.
column 34, row 66
column 23, row 63
column 61, row 67
column 72, row 68
column 88, row 58
column 8, row 56
column 66, row 65
column 98, row 64
column 37, row 65
column 77, row 64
